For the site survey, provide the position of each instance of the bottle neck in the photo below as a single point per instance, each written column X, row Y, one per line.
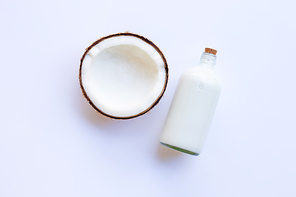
column 208, row 59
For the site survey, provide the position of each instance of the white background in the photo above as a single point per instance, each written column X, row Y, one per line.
column 52, row 143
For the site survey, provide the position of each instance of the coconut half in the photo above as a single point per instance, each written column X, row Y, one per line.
column 123, row 75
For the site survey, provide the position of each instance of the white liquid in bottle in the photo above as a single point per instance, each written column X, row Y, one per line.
column 193, row 107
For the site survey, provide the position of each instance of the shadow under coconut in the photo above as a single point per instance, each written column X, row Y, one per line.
column 96, row 118
column 90, row 113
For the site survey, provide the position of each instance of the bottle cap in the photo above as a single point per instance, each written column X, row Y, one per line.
column 209, row 50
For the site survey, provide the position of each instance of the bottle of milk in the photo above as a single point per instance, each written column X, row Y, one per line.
column 193, row 107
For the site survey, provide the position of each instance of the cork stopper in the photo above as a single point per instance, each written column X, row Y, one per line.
column 209, row 50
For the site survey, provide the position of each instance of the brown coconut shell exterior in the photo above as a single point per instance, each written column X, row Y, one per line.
column 124, row 34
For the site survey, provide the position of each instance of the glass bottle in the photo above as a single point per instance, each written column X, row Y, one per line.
column 193, row 107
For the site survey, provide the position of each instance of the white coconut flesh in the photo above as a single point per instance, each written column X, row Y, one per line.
column 123, row 76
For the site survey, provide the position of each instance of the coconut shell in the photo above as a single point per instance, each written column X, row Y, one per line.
column 123, row 34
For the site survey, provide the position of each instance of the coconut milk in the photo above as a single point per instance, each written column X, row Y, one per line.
column 193, row 107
